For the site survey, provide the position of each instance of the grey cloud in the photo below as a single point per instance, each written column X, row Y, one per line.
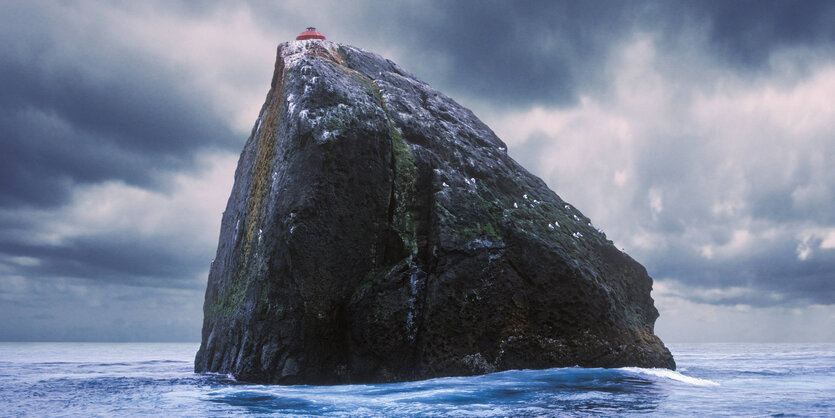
column 773, row 275
column 509, row 53
column 77, row 109
column 692, row 176
column 746, row 32
column 528, row 152
column 94, row 116
column 112, row 259
column 530, row 53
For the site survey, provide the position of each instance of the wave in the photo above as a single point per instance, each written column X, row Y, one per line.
column 513, row 392
column 670, row 374
column 508, row 389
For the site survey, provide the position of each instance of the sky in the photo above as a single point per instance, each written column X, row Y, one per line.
column 699, row 135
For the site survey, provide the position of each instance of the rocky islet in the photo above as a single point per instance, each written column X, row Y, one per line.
column 378, row 231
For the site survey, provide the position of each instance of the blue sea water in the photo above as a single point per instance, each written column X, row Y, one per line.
column 91, row 379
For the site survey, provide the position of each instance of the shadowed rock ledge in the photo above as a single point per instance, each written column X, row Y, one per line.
column 378, row 231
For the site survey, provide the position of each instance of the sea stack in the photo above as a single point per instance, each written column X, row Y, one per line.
column 378, row 231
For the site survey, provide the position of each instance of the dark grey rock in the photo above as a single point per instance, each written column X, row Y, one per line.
column 378, row 231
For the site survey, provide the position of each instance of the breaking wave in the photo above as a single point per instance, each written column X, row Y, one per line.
column 670, row 374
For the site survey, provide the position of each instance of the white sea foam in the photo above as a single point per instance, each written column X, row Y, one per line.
column 670, row 374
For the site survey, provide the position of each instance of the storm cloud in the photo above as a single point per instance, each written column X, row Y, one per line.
column 714, row 180
column 698, row 135
column 79, row 107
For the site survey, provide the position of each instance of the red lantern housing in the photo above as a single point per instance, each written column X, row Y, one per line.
column 310, row 33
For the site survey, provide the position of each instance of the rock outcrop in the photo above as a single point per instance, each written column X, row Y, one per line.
column 378, row 231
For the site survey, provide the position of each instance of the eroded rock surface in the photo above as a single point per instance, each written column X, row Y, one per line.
column 378, row 231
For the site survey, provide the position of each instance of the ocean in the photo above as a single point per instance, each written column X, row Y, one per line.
column 128, row 379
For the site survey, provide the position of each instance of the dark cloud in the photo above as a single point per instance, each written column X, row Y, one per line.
column 746, row 32
column 772, row 275
column 112, row 259
column 507, row 53
column 85, row 117
column 528, row 53
column 89, row 116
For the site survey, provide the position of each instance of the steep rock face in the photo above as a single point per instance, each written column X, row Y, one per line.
column 378, row 231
